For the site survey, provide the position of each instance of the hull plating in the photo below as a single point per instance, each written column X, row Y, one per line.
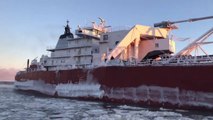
column 195, row 78
column 36, row 85
column 160, row 96
column 79, row 90
column 166, row 86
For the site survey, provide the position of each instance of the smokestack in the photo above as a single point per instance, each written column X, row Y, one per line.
column 28, row 62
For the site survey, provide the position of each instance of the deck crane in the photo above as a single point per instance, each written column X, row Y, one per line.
column 195, row 44
column 170, row 25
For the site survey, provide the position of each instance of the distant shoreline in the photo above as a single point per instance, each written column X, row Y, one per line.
column 6, row 82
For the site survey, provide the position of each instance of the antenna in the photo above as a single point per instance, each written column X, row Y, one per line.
column 101, row 19
column 68, row 22
column 79, row 27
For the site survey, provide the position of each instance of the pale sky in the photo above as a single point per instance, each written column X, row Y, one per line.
column 29, row 27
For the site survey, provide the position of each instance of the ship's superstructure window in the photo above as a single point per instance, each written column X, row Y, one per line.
column 62, row 61
column 156, row 45
column 105, row 37
column 116, row 42
column 96, row 50
column 68, row 51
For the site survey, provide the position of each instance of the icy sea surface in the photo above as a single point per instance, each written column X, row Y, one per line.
column 16, row 105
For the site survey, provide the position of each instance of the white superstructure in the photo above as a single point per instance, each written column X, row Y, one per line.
column 97, row 45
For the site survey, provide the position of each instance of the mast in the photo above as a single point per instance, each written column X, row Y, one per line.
column 67, row 33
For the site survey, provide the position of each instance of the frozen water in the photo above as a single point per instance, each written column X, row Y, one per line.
column 16, row 105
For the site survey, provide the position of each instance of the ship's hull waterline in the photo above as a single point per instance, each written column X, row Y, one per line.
column 184, row 87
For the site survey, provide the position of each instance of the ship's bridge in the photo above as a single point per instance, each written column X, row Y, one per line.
column 93, row 31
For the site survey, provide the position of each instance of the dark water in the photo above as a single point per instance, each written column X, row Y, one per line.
column 25, row 106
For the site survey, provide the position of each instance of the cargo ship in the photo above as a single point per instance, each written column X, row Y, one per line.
column 137, row 65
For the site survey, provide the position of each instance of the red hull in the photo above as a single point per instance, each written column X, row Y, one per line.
column 117, row 80
column 54, row 77
column 196, row 78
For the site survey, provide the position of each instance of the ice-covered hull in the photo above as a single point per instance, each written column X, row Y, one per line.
column 189, row 88
column 36, row 85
